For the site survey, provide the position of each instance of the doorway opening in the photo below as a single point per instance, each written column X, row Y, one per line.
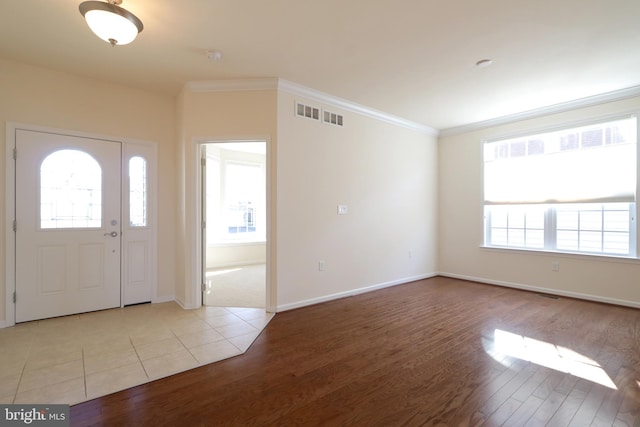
column 234, row 232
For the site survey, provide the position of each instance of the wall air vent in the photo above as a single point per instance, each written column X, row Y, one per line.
column 332, row 118
column 307, row 111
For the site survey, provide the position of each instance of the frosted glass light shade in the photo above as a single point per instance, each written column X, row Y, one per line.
column 111, row 23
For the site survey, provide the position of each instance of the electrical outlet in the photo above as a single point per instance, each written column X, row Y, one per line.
column 320, row 265
column 343, row 210
column 555, row 265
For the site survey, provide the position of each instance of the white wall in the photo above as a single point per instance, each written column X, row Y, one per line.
column 238, row 254
column 43, row 97
column 461, row 222
column 386, row 175
column 415, row 205
column 214, row 116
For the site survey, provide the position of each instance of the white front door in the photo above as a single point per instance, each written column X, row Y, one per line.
column 68, row 224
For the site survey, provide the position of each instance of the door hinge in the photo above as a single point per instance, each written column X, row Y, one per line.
column 15, row 153
column 204, row 287
column 14, row 297
column 204, row 224
column 203, row 162
column 15, row 225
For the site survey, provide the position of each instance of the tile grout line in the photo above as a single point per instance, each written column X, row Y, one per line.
column 254, row 338
column 236, row 319
column 216, row 330
column 185, row 347
column 84, row 374
column 139, row 359
column 239, row 349
column 24, row 366
column 198, row 363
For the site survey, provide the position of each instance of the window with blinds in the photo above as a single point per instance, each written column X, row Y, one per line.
column 570, row 190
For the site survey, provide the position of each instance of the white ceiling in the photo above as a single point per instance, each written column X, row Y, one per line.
column 411, row 58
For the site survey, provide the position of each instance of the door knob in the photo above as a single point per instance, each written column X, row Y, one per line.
column 112, row 234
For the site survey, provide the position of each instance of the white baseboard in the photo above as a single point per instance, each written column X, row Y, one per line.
column 325, row 298
column 551, row 291
column 184, row 305
column 158, row 300
column 6, row 324
column 245, row 263
column 180, row 303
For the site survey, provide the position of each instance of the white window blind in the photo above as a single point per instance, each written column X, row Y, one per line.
column 595, row 163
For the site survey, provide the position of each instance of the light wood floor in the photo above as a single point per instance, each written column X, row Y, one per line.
column 439, row 352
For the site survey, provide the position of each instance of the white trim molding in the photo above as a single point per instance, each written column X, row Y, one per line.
column 10, row 238
column 193, row 178
column 315, row 95
column 308, row 93
column 590, row 101
column 365, row 289
column 163, row 299
column 548, row 291
column 237, row 85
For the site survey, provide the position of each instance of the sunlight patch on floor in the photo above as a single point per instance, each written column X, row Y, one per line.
column 549, row 355
column 210, row 274
column 221, row 272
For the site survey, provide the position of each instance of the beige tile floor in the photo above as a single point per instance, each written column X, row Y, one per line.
column 76, row 358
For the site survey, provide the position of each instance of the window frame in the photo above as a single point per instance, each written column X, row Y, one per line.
column 550, row 231
column 550, row 218
column 217, row 231
column 227, row 205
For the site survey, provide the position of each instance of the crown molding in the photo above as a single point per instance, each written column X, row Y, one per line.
column 315, row 95
column 306, row 92
column 590, row 101
column 235, row 85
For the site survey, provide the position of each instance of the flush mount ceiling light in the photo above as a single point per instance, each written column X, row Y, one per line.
column 110, row 22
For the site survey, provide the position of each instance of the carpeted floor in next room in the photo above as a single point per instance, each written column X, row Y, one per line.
column 240, row 286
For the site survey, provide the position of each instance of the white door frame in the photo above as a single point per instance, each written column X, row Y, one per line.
column 10, row 206
column 197, row 249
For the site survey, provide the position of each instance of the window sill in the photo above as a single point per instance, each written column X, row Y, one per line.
column 236, row 243
column 572, row 255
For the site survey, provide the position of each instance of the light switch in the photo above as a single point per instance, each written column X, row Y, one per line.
column 342, row 209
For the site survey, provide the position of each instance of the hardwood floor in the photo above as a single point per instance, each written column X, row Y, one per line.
column 438, row 352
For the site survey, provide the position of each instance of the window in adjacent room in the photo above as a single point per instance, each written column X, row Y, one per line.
column 236, row 192
column 571, row 190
